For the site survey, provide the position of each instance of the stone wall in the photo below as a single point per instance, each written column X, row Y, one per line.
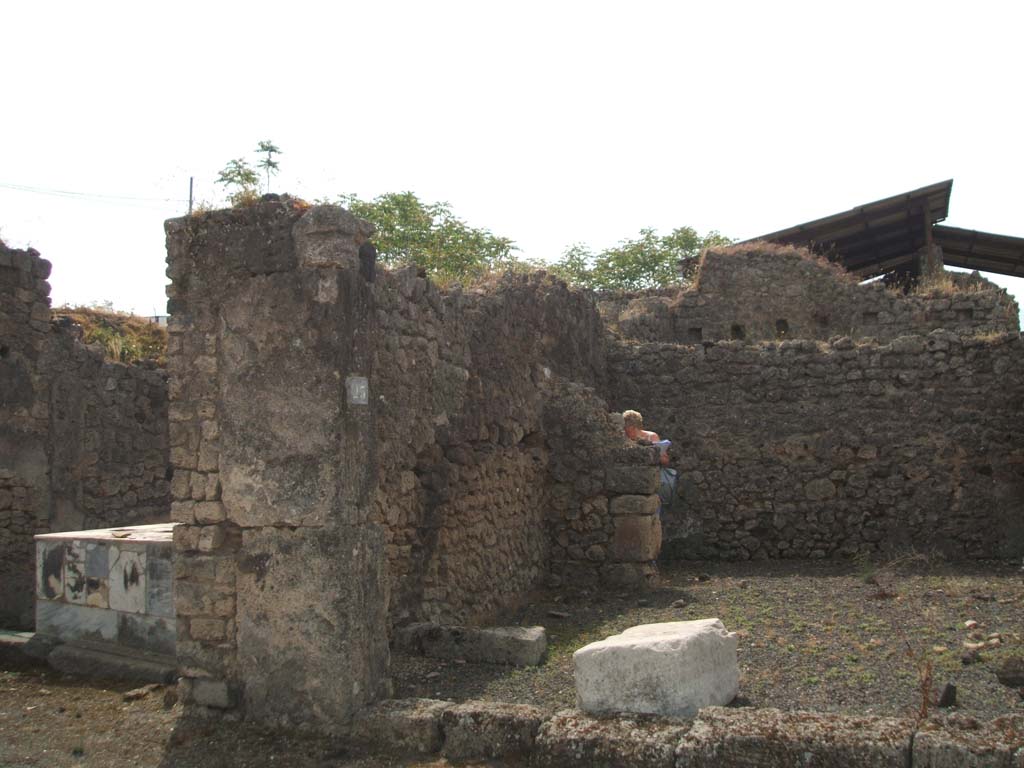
column 807, row 449
column 355, row 449
column 83, row 442
column 463, row 377
column 24, row 419
column 763, row 291
column 603, row 508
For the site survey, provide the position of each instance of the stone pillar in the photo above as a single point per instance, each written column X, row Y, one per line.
column 280, row 583
column 928, row 262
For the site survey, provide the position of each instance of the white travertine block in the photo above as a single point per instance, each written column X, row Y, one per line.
column 670, row 669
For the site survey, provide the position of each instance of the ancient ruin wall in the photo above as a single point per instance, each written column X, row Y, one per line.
column 24, row 419
column 83, row 442
column 463, row 381
column 278, row 572
column 602, row 508
column 362, row 448
column 803, row 449
column 758, row 292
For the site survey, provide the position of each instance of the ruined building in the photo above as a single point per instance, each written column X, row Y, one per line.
column 354, row 449
column 83, row 442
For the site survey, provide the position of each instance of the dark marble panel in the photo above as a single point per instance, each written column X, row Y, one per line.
column 147, row 633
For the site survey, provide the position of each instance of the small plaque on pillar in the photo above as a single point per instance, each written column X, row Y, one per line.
column 358, row 389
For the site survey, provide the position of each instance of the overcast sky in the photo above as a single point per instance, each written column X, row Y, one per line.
column 546, row 122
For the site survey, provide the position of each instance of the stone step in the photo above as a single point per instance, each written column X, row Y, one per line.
column 517, row 646
column 93, row 660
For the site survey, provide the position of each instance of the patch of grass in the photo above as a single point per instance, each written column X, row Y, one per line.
column 125, row 338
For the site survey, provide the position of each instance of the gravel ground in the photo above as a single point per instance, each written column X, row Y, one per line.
column 827, row 636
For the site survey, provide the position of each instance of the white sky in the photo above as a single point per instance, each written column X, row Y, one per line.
column 550, row 123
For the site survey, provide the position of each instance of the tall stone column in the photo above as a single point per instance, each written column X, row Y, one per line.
column 280, row 582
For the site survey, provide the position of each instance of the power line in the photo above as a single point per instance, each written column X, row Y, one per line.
column 96, row 196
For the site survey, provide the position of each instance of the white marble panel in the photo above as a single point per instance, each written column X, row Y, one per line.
column 74, row 622
column 127, row 587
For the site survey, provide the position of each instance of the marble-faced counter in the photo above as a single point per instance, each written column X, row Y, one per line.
column 111, row 585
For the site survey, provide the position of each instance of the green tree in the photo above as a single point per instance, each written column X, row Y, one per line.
column 268, row 163
column 648, row 261
column 240, row 179
column 431, row 236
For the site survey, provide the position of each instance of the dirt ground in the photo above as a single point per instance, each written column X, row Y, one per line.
column 828, row 636
column 53, row 720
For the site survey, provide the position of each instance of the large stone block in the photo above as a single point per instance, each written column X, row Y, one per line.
column 637, row 576
column 292, row 452
column 402, row 725
column 637, row 539
column 770, row 738
column 329, row 236
column 485, row 730
column 964, row 742
column 311, row 638
column 211, row 693
column 635, row 505
column 571, row 739
column 632, row 479
column 518, row 646
column 671, row 669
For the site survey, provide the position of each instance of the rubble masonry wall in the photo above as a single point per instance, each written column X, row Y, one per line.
column 808, row 449
column 761, row 291
column 360, row 447
column 83, row 442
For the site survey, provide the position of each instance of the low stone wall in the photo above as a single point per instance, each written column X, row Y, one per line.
column 83, row 442
column 762, row 291
column 717, row 738
column 802, row 449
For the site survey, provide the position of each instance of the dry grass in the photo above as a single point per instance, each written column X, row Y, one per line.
column 125, row 338
column 774, row 250
column 951, row 283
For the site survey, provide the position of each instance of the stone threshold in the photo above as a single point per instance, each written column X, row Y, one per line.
column 719, row 737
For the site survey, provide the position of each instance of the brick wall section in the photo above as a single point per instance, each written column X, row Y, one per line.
column 805, row 449
column 766, row 292
column 83, row 442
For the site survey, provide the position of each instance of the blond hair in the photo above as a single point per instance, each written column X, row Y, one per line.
column 632, row 419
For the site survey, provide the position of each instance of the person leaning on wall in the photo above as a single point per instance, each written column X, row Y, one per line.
column 633, row 421
column 633, row 424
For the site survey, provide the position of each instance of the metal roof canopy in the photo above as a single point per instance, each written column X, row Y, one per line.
column 970, row 249
column 883, row 236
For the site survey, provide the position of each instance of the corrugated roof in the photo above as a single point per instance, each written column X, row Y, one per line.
column 985, row 251
column 874, row 238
